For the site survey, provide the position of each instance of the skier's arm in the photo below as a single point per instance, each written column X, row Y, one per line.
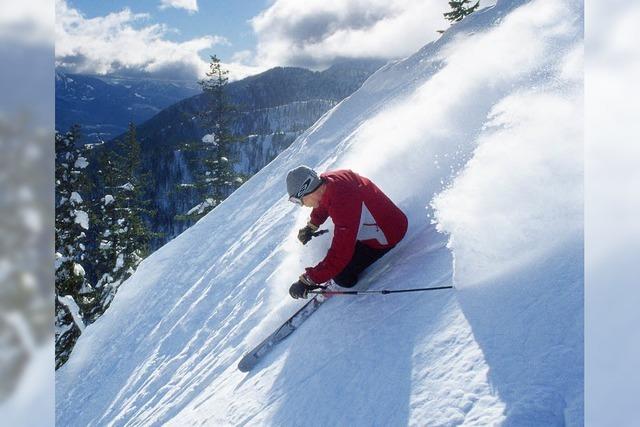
column 318, row 216
column 346, row 217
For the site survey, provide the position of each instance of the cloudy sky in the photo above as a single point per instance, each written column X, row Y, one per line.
column 174, row 38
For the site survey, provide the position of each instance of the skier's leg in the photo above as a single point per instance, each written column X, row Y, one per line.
column 363, row 257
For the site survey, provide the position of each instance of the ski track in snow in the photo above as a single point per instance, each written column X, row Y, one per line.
column 436, row 131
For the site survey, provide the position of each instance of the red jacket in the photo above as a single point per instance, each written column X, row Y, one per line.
column 360, row 212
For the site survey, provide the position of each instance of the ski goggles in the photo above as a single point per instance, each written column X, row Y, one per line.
column 296, row 200
column 304, row 190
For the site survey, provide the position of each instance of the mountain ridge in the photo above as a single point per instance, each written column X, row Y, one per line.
column 275, row 107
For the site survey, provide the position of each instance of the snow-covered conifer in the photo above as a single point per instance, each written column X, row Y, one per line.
column 460, row 9
column 215, row 177
column 71, row 227
column 122, row 237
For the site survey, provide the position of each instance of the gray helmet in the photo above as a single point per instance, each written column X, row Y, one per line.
column 302, row 181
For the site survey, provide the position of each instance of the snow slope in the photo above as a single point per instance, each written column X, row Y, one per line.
column 478, row 137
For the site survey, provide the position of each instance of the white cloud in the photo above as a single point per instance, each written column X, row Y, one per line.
column 314, row 33
column 238, row 70
column 118, row 43
column 189, row 5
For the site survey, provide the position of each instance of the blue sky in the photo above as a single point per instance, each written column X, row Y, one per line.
column 227, row 18
column 173, row 39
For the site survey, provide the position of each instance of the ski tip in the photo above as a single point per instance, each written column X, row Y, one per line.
column 247, row 363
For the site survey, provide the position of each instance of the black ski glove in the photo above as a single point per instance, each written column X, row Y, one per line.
column 306, row 233
column 301, row 288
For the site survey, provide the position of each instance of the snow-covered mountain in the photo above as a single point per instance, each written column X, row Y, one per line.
column 104, row 105
column 478, row 138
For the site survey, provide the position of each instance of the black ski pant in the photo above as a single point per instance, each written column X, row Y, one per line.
column 363, row 257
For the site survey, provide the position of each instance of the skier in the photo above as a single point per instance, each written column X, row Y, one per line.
column 367, row 224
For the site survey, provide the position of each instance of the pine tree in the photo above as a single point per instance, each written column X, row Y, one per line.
column 215, row 178
column 107, row 246
column 123, row 238
column 135, row 235
column 75, row 297
column 459, row 10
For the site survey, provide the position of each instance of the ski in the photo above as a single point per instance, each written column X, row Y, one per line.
column 251, row 359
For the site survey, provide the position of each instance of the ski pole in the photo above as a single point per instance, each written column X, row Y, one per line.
column 383, row 291
column 319, row 233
